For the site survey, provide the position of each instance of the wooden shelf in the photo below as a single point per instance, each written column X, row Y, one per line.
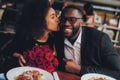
column 114, row 41
column 110, row 27
column 106, row 26
column 117, row 35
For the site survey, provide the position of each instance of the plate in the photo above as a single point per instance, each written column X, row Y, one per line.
column 11, row 74
column 91, row 75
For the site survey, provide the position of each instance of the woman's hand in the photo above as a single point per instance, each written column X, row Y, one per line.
column 71, row 66
column 21, row 60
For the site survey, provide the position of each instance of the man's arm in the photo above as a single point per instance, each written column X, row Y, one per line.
column 110, row 60
column 109, row 56
column 71, row 66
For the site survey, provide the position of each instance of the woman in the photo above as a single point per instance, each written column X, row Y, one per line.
column 34, row 27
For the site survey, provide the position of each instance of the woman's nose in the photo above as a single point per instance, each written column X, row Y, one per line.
column 57, row 19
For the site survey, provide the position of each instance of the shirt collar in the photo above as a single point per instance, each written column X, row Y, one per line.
column 79, row 37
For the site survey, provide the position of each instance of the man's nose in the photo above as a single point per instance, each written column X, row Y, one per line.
column 67, row 23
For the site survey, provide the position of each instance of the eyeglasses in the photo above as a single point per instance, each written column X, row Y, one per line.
column 72, row 20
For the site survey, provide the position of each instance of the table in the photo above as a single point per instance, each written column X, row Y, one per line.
column 62, row 76
column 67, row 76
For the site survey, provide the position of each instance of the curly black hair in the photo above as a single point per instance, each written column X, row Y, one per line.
column 32, row 23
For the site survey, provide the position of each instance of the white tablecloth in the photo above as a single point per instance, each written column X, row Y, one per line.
column 2, row 77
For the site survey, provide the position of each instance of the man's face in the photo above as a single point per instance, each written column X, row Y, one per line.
column 71, row 21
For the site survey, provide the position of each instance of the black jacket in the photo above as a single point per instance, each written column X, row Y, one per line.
column 98, row 54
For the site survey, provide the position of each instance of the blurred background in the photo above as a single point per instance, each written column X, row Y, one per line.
column 106, row 16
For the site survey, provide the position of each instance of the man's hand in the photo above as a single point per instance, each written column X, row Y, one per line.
column 21, row 60
column 71, row 66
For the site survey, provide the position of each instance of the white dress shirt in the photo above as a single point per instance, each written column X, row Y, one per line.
column 73, row 51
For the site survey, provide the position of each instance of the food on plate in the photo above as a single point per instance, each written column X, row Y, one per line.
column 30, row 75
column 97, row 78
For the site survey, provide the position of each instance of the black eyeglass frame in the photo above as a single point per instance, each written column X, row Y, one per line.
column 72, row 20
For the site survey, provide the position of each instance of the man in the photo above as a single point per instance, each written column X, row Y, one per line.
column 85, row 50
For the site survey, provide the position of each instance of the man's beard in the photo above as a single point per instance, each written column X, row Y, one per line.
column 73, row 33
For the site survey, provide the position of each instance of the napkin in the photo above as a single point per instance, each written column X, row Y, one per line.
column 2, row 77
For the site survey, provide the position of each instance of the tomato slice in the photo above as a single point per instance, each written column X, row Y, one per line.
column 35, row 72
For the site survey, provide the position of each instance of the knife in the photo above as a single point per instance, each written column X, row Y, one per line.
column 55, row 75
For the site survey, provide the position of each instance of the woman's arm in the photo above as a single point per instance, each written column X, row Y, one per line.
column 21, row 60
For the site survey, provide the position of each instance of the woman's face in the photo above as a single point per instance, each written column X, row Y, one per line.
column 52, row 20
